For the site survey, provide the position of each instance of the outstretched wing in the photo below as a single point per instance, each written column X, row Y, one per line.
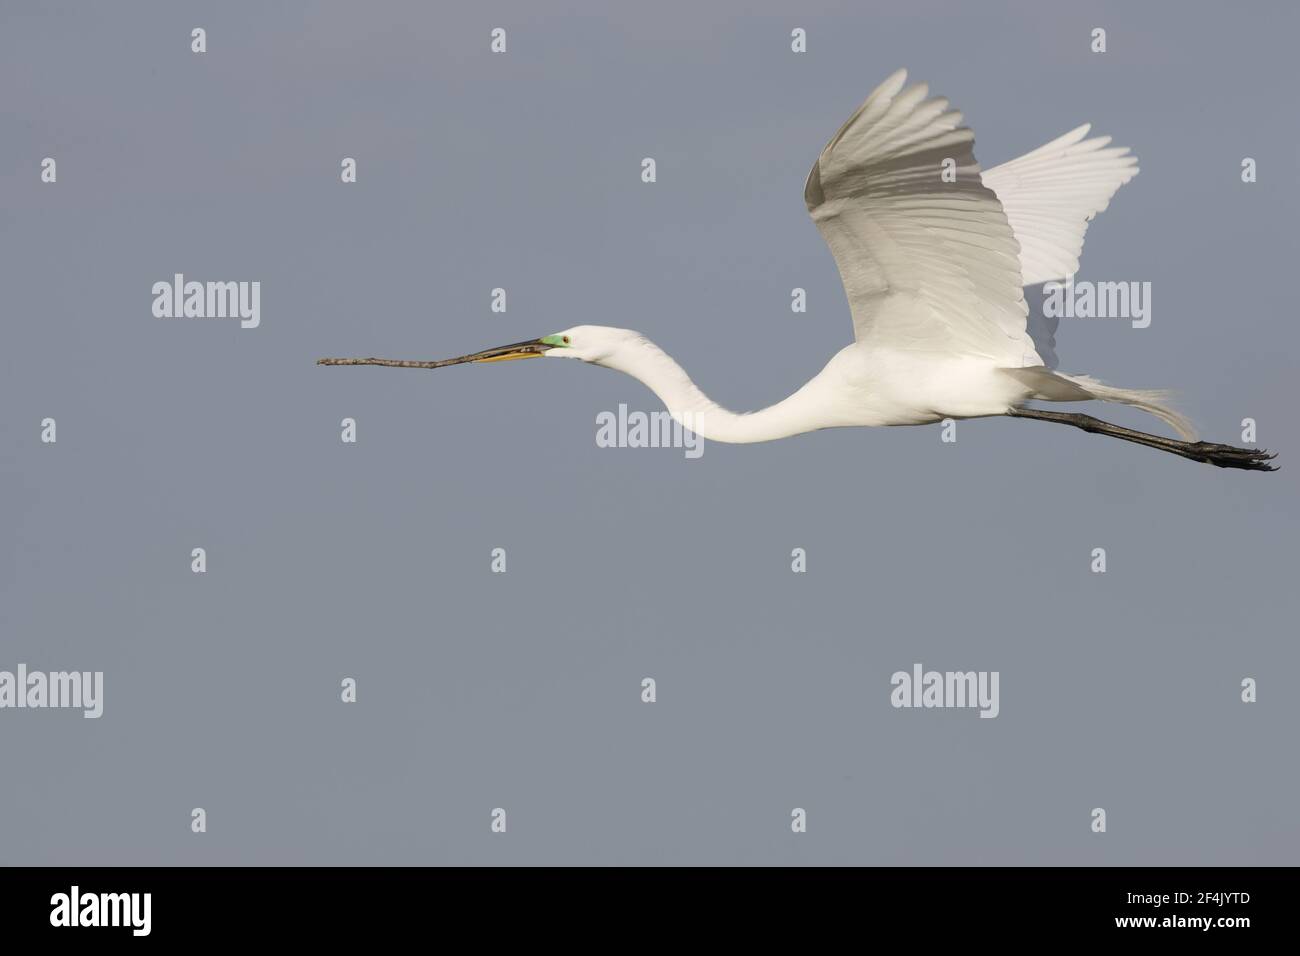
column 1051, row 194
column 925, row 252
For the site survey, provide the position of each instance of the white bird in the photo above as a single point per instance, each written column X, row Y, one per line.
column 933, row 266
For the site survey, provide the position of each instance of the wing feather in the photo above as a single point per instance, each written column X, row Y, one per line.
column 1051, row 194
column 926, row 264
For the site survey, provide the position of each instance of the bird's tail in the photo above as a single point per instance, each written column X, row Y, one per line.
column 1050, row 385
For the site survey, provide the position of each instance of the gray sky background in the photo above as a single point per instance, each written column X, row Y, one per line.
column 522, row 690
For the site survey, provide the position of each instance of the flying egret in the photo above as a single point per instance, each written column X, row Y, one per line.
column 933, row 254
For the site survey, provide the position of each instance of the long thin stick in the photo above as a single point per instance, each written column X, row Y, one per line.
column 391, row 363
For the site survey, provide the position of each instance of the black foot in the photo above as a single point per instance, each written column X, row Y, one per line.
column 1230, row 456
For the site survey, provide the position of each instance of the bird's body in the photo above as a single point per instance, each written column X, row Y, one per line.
column 934, row 255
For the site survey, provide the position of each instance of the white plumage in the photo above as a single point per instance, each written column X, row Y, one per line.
column 1050, row 195
column 935, row 264
column 927, row 264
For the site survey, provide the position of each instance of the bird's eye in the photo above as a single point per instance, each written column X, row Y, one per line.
column 565, row 339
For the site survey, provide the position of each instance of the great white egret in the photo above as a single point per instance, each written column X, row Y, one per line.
column 933, row 254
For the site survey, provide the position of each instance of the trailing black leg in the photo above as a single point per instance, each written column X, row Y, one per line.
column 1224, row 456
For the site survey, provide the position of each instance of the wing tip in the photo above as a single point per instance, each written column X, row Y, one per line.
column 890, row 87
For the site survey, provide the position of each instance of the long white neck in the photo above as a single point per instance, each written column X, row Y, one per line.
column 806, row 410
